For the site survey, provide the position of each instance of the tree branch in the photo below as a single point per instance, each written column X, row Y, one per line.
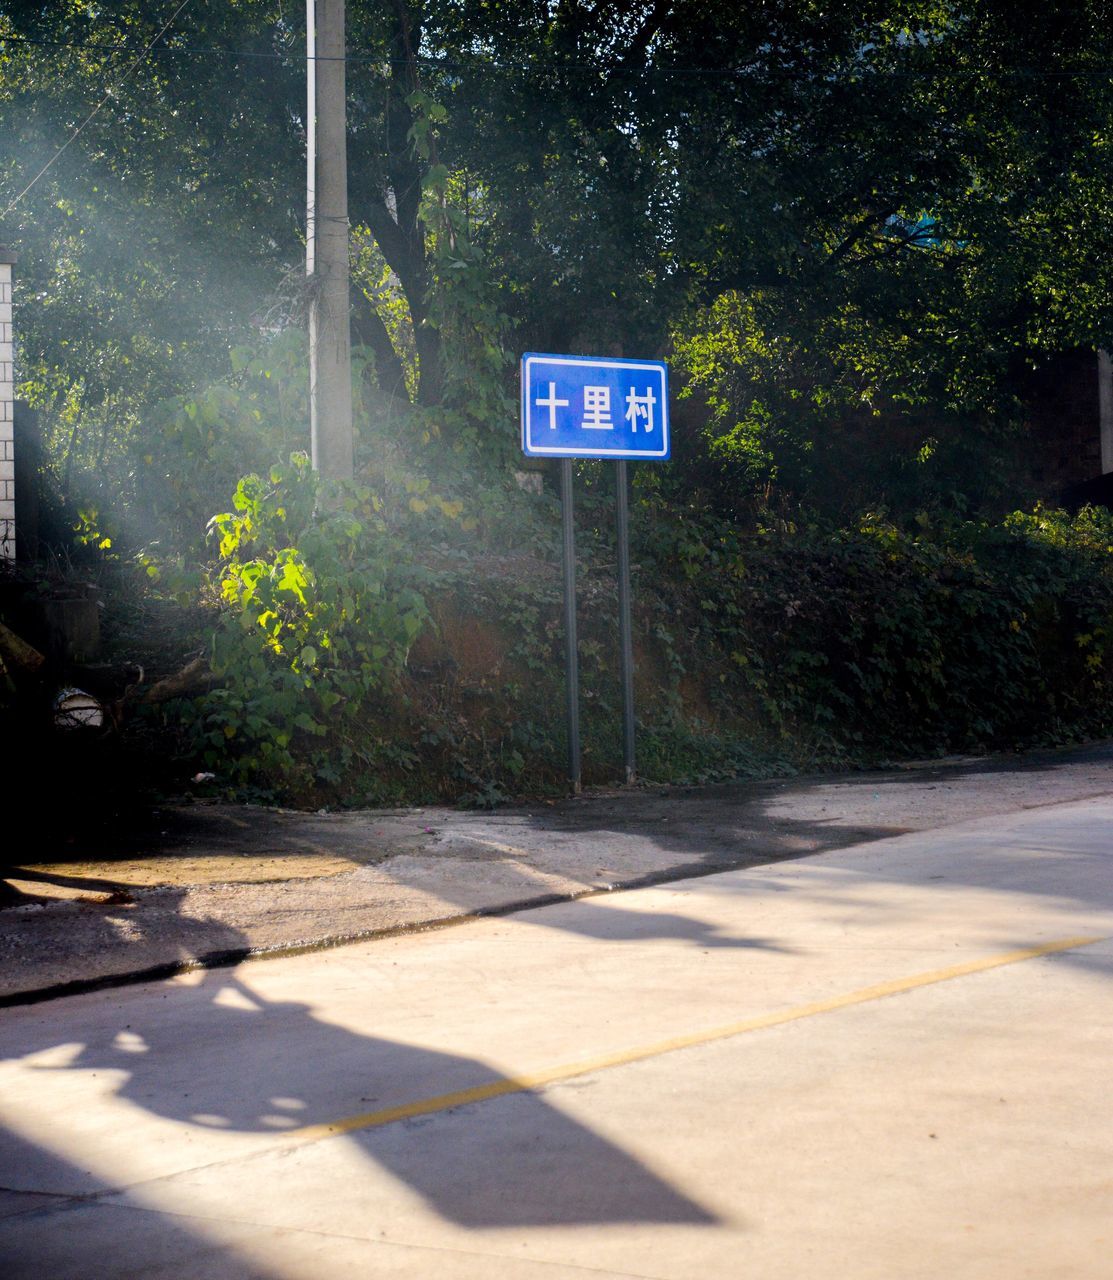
column 866, row 223
column 369, row 331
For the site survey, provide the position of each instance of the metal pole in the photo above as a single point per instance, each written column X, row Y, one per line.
column 571, row 649
column 625, row 632
column 326, row 258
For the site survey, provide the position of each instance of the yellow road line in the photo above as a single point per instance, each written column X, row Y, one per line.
column 554, row 1075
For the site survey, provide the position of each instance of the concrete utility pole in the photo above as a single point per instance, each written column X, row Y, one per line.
column 326, row 257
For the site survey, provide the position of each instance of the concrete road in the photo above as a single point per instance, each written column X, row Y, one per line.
column 891, row 1060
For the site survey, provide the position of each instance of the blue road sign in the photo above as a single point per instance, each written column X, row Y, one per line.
column 590, row 407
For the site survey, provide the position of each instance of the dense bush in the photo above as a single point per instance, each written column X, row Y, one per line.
column 791, row 646
column 872, row 639
column 317, row 611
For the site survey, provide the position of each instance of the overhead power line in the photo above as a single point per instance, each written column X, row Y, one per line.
column 109, row 93
column 99, row 47
column 297, row 54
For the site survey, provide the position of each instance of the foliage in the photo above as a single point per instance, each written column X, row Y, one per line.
column 785, row 647
column 248, row 422
column 851, row 227
column 149, row 246
column 871, row 640
column 318, row 614
column 873, row 209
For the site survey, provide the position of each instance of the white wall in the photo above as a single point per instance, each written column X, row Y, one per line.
column 7, row 428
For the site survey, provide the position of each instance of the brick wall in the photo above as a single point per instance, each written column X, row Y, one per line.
column 7, row 414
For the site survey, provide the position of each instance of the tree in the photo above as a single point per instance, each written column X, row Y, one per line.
column 153, row 243
column 829, row 210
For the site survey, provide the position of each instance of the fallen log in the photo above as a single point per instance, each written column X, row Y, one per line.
column 16, row 652
column 195, row 678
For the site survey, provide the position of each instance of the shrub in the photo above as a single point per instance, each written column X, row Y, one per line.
column 317, row 612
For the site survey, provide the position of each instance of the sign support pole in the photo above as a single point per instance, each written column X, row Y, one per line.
column 572, row 683
column 596, row 407
column 625, row 631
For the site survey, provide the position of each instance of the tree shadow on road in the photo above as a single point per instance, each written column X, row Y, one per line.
column 604, row 921
column 218, row 1057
